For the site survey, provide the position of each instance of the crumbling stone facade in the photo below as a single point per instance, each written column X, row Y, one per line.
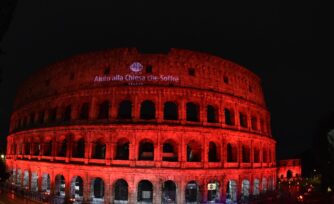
column 121, row 126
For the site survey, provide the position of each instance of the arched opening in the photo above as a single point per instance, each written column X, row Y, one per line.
column 147, row 110
column 122, row 149
column 146, row 150
column 256, row 190
column 121, row 191
column 78, row 150
column 26, row 179
column 125, row 110
column 264, row 156
column 84, row 112
column 231, row 153
column 191, row 194
column 62, row 148
column 99, row 150
column 103, row 110
column 194, row 151
column 254, row 123
column 213, row 191
column 60, row 186
column 77, row 188
column 53, row 115
column 145, row 191
column 269, row 155
column 47, row 148
column 34, row 182
column 168, row 192
column 46, row 184
column 192, row 112
column 170, row 111
column 36, row 147
column 264, row 184
column 256, row 155
column 245, row 186
column 27, row 148
column 211, row 114
column 289, row 174
column 67, row 113
column 229, row 116
column 213, row 152
column 169, row 151
column 97, row 190
column 245, row 154
column 243, row 120
column 231, row 192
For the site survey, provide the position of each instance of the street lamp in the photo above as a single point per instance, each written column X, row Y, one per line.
column 2, row 156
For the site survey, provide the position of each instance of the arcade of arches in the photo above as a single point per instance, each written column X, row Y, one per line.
column 119, row 187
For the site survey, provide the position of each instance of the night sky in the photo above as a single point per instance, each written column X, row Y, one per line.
column 271, row 38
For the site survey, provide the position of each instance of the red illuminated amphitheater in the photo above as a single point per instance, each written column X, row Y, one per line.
column 121, row 126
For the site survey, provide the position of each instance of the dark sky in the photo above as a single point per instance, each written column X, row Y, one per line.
column 274, row 39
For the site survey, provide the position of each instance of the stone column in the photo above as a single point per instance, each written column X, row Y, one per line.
column 180, row 192
column 52, row 183
column 39, row 179
column 54, row 148
column 159, row 108
column 108, row 153
column 87, row 151
column 132, row 194
column 107, row 192
column 182, row 112
column 136, row 108
column 239, row 153
column 202, row 112
column 67, row 187
column 204, row 192
column 86, row 188
column 222, row 189
column 205, row 153
column 252, row 153
column 93, row 109
column 68, row 149
column 156, row 192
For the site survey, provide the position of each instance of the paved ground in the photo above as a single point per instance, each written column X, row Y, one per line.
column 12, row 199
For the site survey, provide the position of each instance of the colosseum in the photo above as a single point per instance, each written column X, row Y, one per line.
column 121, row 126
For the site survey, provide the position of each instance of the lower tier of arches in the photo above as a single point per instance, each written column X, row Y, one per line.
column 101, row 184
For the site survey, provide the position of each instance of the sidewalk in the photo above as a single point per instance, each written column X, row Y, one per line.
column 9, row 198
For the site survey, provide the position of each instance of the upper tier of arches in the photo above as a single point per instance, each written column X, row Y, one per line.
column 148, row 105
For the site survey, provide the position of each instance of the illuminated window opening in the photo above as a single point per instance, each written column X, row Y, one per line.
column 212, row 114
column 121, row 190
column 192, row 112
column 229, row 117
column 84, row 111
column 125, row 110
column 104, row 110
column 213, row 152
column 146, row 150
column 122, row 149
column 147, row 110
column 194, row 152
column 243, row 120
column 145, row 191
column 170, row 111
